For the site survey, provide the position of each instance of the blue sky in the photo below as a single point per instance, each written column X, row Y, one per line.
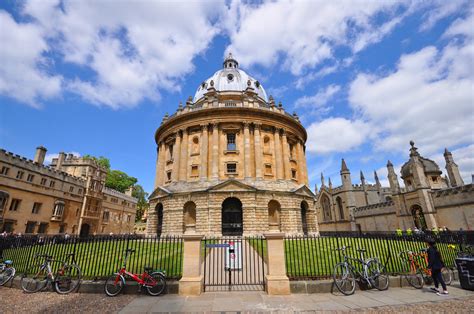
column 366, row 77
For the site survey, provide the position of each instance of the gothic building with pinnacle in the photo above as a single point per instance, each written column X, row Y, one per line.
column 426, row 201
column 231, row 162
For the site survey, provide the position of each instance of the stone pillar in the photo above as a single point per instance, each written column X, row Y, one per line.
column 277, row 282
column 183, row 159
column 204, row 147
column 286, row 156
column 300, row 173
column 160, row 175
column 176, row 153
column 191, row 282
column 215, row 151
column 278, row 156
column 247, row 173
column 258, row 151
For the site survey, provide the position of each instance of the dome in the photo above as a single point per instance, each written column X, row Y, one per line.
column 429, row 166
column 230, row 78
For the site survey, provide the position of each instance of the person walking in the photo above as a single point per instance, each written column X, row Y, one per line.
column 435, row 264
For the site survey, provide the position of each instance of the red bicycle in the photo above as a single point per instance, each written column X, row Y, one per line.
column 153, row 280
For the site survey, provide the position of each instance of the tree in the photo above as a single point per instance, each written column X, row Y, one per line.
column 119, row 180
column 101, row 161
column 142, row 204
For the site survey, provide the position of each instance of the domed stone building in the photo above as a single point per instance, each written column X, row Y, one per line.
column 231, row 162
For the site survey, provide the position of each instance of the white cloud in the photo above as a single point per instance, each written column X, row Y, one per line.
column 23, row 68
column 428, row 98
column 320, row 99
column 336, row 135
column 135, row 50
column 440, row 9
column 463, row 157
column 49, row 157
column 305, row 33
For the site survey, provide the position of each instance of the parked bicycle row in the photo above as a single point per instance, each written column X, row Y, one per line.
column 64, row 276
column 421, row 268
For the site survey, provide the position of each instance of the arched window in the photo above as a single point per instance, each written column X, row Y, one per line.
column 189, row 217
column 274, row 209
column 266, row 145
column 340, row 208
column 418, row 217
column 195, row 149
column 326, row 206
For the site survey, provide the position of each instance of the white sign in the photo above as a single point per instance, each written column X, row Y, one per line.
column 233, row 255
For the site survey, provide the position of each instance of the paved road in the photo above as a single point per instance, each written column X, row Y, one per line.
column 394, row 300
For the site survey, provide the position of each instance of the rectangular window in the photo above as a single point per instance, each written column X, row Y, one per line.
column 8, row 226
column 19, row 175
column 129, row 217
column 168, row 175
column 30, row 227
column 293, row 173
column 231, row 168
column 194, row 171
column 51, row 184
column 58, row 209
column 36, row 208
column 30, row 177
column 105, row 216
column 4, row 170
column 15, row 204
column 62, row 228
column 43, row 227
column 268, row 169
column 71, row 189
column 3, row 202
column 43, row 181
column 79, row 191
column 231, row 141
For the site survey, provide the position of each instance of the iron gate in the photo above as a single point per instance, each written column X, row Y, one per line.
column 234, row 263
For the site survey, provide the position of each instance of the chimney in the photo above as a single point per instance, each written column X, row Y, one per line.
column 40, row 155
column 61, row 158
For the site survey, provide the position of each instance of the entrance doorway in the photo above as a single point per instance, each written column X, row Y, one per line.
column 304, row 222
column 232, row 217
column 418, row 217
column 85, row 229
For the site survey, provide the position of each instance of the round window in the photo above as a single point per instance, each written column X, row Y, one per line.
column 230, row 77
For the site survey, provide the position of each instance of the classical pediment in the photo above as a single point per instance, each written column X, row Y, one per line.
column 304, row 191
column 231, row 185
column 159, row 192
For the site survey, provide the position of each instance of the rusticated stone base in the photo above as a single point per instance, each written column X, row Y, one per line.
column 277, row 285
column 190, row 285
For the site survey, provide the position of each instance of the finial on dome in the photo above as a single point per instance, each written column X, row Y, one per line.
column 230, row 62
column 413, row 149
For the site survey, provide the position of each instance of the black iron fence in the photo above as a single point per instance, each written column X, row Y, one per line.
column 98, row 256
column 314, row 257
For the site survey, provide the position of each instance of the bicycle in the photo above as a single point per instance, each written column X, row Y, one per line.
column 345, row 274
column 418, row 273
column 66, row 279
column 153, row 280
column 7, row 271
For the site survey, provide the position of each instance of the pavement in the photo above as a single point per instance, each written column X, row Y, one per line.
column 405, row 299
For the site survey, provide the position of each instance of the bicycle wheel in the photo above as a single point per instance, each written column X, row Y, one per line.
column 447, row 274
column 377, row 277
column 159, row 286
column 67, row 279
column 34, row 279
column 114, row 285
column 6, row 274
column 415, row 279
column 344, row 279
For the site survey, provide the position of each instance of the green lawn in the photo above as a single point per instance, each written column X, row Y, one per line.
column 101, row 258
column 316, row 258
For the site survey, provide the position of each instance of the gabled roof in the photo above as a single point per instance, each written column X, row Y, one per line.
column 232, row 185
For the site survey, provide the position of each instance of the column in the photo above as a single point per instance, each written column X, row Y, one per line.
column 301, row 170
column 176, row 153
column 183, row 169
column 286, row 156
column 160, row 175
column 246, row 150
column 278, row 155
column 277, row 282
column 204, row 147
column 258, row 151
column 215, row 151
column 191, row 282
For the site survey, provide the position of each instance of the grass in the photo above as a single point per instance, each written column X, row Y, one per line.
column 316, row 257
column 100, row 259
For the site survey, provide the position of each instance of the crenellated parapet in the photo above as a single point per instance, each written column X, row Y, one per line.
column 456, row 196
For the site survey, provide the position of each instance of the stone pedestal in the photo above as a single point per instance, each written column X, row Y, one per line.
column 192, row 281
column 277, row 283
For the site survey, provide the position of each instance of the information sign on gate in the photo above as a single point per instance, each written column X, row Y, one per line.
column 233, row 256
column 217, row 245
